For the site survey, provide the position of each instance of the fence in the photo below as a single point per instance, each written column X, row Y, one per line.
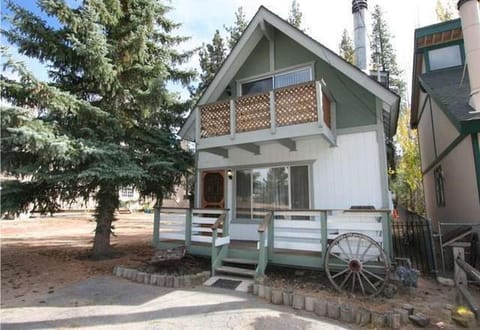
column 412, row 238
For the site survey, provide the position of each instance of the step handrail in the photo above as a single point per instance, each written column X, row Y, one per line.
column 262, row 247
column 220, row 250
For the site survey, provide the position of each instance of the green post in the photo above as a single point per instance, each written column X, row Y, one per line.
column 188, row 227
column 323, row 233
column 261, row 255
column 226, row 225
column 270, row 238
column 214, row 251
column 156, row 227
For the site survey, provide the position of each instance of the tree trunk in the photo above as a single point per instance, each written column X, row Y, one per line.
column 107, row 202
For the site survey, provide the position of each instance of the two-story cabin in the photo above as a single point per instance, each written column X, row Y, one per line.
column 446, row 81
column 287, row 125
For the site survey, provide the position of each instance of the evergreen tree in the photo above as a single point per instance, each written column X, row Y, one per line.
column 106, row 120
column 407, row 179
column 211, row 58
column 382, row 54
column 235, row 31
column 444, row 10
column 346, row 48
column 295, row 15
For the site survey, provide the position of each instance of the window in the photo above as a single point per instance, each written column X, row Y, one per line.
column 127, row 192
column 279, row 80
column 439, row 186
column 263, row 189
column 445, row 57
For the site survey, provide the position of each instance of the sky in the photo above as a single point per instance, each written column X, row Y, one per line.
column 323, row 20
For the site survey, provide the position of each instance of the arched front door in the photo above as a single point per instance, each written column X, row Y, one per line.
column 213, row 189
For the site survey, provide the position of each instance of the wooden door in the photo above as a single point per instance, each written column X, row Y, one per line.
column 213, row 189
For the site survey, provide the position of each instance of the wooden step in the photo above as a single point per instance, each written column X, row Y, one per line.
column 240, row 261
column 236, row 271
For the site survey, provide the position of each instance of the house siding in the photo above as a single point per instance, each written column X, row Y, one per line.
column 445, row 132
column 460, row 187
column 426, row 137
column 337, row 182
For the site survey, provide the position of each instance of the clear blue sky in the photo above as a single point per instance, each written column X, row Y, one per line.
column 323, row 20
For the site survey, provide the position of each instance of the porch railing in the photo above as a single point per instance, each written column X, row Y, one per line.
column 219, row 244
column 292, row 105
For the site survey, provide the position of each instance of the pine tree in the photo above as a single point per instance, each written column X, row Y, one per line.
column 445, row 10
column 211, row 58
column 346, row 49
column 295, row 15
column 382, row 54
column 236, row 31
column 407, row 181
column 106, row 120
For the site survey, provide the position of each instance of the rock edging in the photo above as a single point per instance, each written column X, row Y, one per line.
column 168, row 281
column 342, row 312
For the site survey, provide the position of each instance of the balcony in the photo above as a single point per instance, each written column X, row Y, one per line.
column 284, row 113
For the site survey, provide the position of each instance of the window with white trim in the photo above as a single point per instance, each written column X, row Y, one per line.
column 272, row 188
column 127, row 192
column 279, row 80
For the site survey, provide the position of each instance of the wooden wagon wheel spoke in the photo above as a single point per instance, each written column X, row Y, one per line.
column 341, row 273
column 346, row 279
column 356, row 267
column 339, row 257
column 361, row 284
column 372, row 274
column 368, row 281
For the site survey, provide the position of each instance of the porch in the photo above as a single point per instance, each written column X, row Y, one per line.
column 293, row 238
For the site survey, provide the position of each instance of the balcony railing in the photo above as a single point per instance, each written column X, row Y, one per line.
column 293, row 105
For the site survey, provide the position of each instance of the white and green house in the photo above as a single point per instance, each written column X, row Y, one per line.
column 290, row 153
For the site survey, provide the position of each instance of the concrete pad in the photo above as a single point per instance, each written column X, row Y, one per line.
column 115, row 303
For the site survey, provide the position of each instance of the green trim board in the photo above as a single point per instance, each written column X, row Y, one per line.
column 476, row 160
column 441, row 105
column 470, row 126
column 439, row 27
column 433, row 129
column 444, row 153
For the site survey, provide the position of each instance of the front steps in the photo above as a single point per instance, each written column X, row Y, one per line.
column 238, row 266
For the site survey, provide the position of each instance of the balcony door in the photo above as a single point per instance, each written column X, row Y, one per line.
column 213, row 189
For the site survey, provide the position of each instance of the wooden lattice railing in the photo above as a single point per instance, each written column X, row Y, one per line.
column 296, row 105
column 293, row 105
column 253, row 112
column 215, row 119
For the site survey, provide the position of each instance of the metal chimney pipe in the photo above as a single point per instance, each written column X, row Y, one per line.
column 469, row 14
column 359, row 10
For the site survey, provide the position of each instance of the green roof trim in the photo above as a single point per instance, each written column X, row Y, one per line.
column 439, row 27
column 470, row 126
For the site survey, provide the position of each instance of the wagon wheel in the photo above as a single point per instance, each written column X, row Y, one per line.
column 356, row 263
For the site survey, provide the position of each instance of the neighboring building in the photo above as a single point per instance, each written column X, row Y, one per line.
column 288, row 124
column 446, row 112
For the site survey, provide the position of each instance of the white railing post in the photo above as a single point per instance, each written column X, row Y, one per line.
column 318, row 88
column 233, row 119
column 273, row 118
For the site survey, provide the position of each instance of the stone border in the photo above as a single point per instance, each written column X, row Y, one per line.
column 344, row 312
column 168, row 281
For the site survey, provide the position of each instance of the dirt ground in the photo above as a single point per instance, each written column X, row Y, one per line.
column 41, row 255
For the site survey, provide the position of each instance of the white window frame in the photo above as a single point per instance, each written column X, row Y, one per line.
column 272, row 74
column 250, row 169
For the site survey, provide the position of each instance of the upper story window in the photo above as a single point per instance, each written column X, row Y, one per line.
column 279, row 80
column 444, row 57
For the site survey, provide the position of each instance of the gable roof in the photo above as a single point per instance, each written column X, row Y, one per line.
column 249, row 39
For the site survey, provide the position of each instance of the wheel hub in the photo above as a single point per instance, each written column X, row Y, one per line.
column 355, row 265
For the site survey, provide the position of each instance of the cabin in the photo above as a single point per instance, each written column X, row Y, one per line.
column 446, row 113
column 291, row 152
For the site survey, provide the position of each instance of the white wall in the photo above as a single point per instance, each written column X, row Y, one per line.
column 346, row 175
